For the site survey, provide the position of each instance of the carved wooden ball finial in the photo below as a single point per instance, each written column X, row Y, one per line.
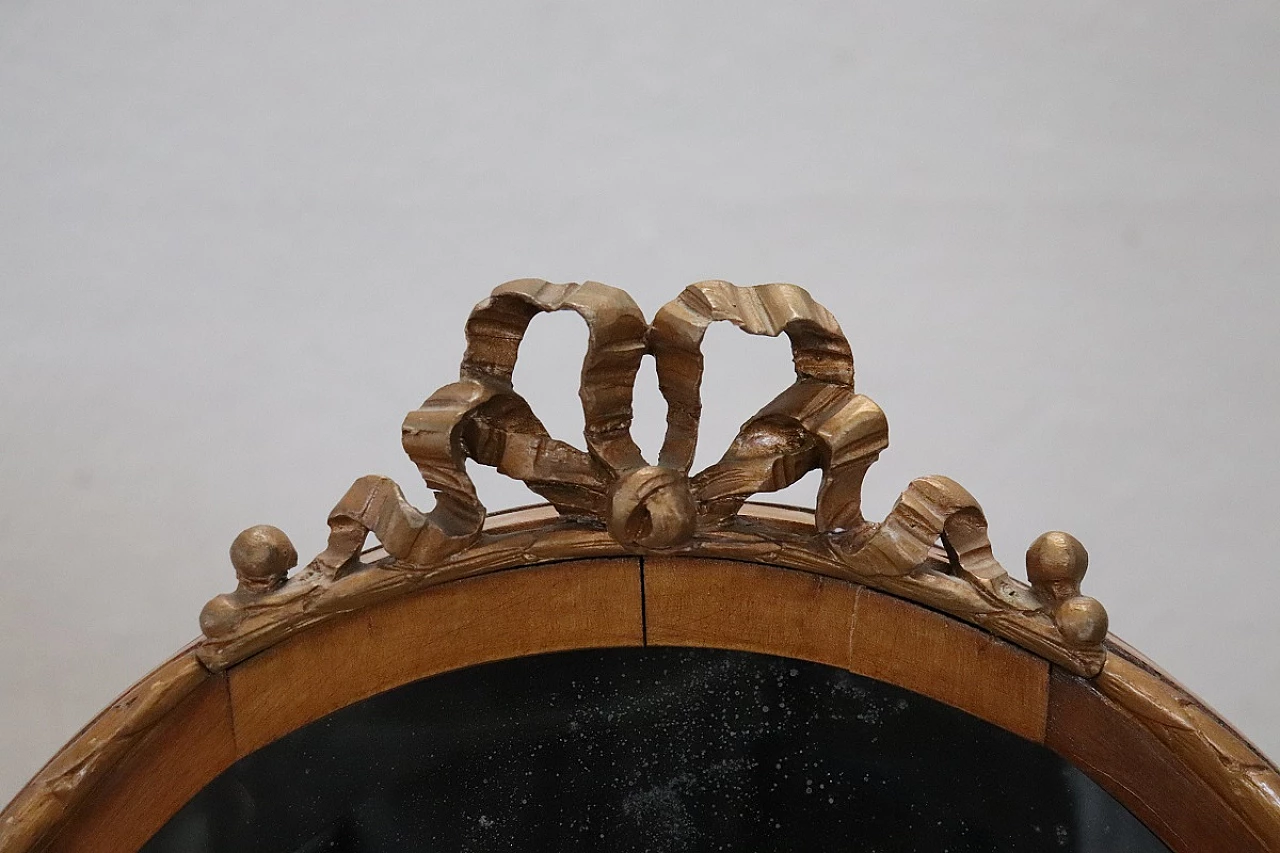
column 1082, row 620
column 1056, row 565
column 262, row 556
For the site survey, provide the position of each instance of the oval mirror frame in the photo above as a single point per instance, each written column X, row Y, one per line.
column 628, row 553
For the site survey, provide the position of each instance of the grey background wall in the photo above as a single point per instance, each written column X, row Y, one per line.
column 238, row 242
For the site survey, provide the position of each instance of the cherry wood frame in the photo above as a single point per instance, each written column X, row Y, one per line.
column 182, row 725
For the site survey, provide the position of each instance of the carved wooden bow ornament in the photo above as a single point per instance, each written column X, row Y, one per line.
column 932, row 548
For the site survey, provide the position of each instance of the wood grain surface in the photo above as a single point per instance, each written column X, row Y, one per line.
column 573, row 605
column 726, row 605
column 1097, row 724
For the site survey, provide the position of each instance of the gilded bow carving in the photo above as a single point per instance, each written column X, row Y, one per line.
column 933, row 546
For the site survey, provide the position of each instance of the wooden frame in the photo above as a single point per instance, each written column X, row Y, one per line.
column 631, row 554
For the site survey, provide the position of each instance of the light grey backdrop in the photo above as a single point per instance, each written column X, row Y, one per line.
column 238, row 242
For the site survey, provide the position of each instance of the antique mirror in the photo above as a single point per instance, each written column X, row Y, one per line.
column 651, row 660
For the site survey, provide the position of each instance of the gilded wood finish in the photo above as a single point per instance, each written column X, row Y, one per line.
column 629, row 553
column 932, row 548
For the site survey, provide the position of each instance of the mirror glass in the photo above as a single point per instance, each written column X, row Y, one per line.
column 652, row 749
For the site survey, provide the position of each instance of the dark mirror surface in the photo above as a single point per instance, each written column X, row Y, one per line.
column 652, row 749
